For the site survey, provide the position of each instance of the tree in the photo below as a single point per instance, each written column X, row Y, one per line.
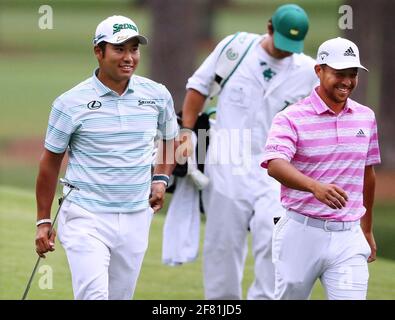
column 173, row 44
column 372, row 31
column 387, row 92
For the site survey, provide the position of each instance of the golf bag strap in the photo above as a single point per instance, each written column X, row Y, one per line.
column 231, row 56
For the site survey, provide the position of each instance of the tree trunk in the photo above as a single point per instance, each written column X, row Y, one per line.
column 365, row 37
column 387, row 87
column 373, row 25
column 173, row 44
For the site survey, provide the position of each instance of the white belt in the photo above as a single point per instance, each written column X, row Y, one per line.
column 327, row 225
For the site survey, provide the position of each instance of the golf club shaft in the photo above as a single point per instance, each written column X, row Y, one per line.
column 49, row 235
column 31, row 279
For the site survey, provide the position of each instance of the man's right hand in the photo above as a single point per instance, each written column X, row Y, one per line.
column 330, row 194
column 44, row 242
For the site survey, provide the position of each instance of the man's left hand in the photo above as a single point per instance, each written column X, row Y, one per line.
column 157, row 198
column 372, row 243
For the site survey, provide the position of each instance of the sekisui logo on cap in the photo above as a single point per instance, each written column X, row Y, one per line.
column 290, row 26
column 118, row 27
column 339, row 53
column 116, row 30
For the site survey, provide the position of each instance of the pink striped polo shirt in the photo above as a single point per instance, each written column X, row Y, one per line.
column 327, row 147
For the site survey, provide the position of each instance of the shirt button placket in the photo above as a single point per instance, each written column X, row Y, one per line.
column 121, row 118
column 339, row 127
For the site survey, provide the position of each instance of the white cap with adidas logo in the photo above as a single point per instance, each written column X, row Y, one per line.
column 339, row 53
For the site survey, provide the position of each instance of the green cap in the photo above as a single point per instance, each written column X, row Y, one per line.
column 290, row 24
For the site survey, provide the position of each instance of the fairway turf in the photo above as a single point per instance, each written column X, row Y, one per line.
column 157, row 281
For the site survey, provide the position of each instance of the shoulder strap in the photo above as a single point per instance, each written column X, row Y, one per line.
column 229, row 59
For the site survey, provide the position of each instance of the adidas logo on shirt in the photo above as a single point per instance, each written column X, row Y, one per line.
column 349, row 52
column 360, row 133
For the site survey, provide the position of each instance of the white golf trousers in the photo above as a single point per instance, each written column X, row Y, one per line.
column 225, row 244
column 105, row 250
column 303, row 253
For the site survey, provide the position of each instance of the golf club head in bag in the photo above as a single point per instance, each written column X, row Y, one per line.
column 200, row 180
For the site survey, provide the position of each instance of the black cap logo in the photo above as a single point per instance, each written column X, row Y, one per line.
column 94, row 105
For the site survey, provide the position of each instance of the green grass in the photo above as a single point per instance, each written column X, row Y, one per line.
column 23, row 177
column 27, row 113
column 384, row 225
column 157, row 281
column 17, row 246
column 73, row 27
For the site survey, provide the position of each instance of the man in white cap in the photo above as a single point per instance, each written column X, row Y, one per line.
column 107, row 124
column 240, row 197
column 323, row 150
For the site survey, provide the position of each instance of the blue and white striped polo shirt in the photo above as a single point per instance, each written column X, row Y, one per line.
column 110, row 140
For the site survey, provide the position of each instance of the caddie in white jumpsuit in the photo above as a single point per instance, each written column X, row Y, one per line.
column 107, row 124
column 241, row 196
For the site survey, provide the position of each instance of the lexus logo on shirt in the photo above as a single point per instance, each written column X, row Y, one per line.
column 94, row 105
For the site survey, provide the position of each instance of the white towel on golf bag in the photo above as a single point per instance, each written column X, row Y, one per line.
column 181, row 230
column 182, row 224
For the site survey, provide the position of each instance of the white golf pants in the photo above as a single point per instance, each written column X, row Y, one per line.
column 303, row 253
column 105, row 250
column 225, row 244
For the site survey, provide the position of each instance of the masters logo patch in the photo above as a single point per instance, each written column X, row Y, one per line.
column 231, row 55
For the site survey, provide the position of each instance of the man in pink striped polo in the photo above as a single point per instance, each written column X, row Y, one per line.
column 322, row 150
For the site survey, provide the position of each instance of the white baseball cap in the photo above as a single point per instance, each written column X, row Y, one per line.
column 339, row 53
column 116, row 30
